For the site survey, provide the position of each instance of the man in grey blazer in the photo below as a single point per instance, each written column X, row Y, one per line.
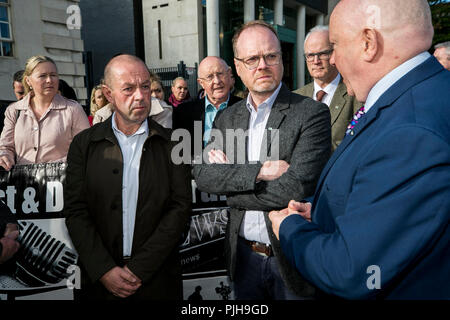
column 263, row 151
column 328, row 86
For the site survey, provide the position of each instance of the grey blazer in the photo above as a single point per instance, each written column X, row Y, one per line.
column 304, row 136
column 342, row 109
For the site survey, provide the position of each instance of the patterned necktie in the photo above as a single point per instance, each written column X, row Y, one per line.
column 320, row 94
column 355, row 120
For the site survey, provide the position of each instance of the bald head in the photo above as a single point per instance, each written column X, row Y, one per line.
column 373, row 37
column 208, row 62
column 117, row 64
column 127, row 88
column 214, row 75
column 407, row 23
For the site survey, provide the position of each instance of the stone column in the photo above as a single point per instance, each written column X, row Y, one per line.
column 320, row 19
column 278, row 12
column 249, row 10
column 212, row 27
column 301, row 21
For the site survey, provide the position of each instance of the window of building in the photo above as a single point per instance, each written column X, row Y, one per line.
column 6, row 40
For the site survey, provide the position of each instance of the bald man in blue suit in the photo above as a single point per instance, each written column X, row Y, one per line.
column 381, row 210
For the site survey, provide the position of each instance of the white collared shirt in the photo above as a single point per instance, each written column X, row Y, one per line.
column 392, row 77
column 131, row 147
column 253, row 226
column 330, row 89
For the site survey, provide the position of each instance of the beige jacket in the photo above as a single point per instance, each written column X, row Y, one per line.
column 160, row 111
column 103, row 113
column 27, row 140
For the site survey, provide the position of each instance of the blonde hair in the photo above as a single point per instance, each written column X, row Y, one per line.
column 174, row 82
column 94, row 107
column 30, row 66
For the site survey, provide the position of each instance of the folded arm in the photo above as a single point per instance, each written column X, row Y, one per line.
column 308, row 158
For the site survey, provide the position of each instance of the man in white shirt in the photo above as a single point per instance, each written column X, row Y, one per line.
column 328, row 86
column 126, row 203
column 285, row 141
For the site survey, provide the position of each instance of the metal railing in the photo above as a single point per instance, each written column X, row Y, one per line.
column 181, row 70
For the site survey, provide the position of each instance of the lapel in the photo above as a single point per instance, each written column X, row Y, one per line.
column 277, row 114
column 155, row 129
column 242, row 117
column 233, row 100
column 200, row 108
column 425, row 70
column 309, row 90
column 338, row 102
column 281, row 103
column 198, row 113
column 276, row 117
column 240, row 120
column 104, row 130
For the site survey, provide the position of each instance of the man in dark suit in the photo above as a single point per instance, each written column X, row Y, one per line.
column 214, row 75
column 262, row 152
column 328, row 86
column 381, row 211
column 126, row 203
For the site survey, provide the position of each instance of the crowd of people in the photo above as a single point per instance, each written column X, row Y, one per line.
column 348, row 172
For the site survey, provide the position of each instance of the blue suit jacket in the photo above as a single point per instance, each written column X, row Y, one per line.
column 383, row 199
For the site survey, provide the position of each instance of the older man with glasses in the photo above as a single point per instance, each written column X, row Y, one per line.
column 328, row 86
column 214, row 76
column 274, row 145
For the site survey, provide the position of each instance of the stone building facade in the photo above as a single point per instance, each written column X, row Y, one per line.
column 42, row 27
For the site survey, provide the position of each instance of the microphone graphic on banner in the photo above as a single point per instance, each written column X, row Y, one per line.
column 42, row 259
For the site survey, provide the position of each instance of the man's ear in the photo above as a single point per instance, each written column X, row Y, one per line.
column 107, row 93
column 371, row 44
column 238, row 67
column 199, row 81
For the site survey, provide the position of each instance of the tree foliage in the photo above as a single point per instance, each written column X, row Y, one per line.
column 440, row 12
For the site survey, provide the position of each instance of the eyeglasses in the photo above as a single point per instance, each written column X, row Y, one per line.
column 270, row 59
column 323, row 55
column 210, row 77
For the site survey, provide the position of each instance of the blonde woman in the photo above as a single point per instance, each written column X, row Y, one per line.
column 164, row 117
column 98, row 101
column 40, row 127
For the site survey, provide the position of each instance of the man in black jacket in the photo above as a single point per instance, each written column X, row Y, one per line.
column 197, row 116
column 126, row 202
